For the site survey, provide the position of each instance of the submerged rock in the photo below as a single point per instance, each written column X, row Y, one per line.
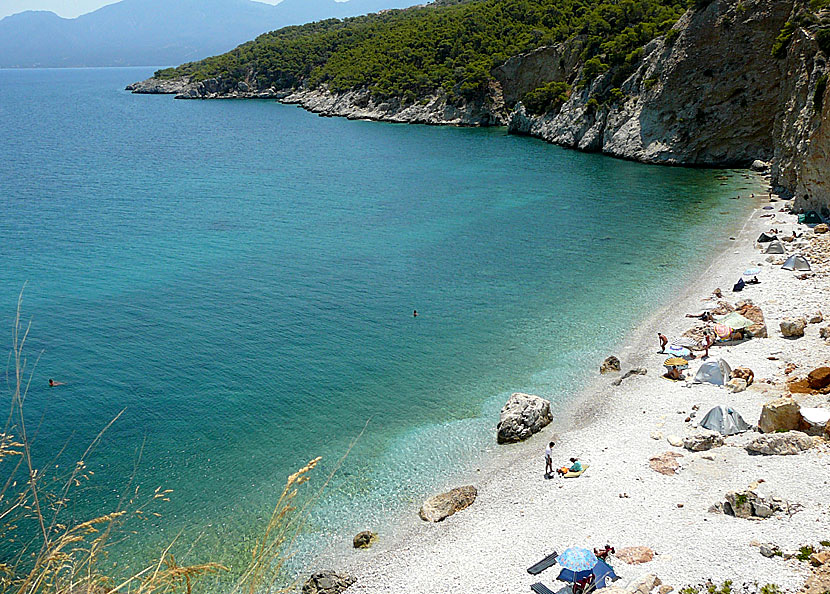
column 521, row 417
column 610, row 365
column 446, row 504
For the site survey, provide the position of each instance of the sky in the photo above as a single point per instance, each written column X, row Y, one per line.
column 65, row 8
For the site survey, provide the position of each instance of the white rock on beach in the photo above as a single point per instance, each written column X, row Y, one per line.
column 521, row 417
column 781, row 444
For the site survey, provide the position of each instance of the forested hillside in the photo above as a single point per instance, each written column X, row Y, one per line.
column 413, row 53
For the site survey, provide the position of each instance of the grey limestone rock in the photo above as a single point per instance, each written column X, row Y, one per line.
column 439, row 507
column 780, row 444
column 521, row 417
column 328, row 582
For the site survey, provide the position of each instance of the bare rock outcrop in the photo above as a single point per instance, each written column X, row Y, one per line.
column 328, row 582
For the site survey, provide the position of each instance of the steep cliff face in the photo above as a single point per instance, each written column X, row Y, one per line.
column 801, row 165
column 707, row 97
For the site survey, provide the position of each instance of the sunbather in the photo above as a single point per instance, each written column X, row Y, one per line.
column 603, row 553
column 575, row 466
column 674, row 373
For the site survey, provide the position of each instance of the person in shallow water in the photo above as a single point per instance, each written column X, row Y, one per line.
column 663, row 342
column 414, row 313
column 53, row 383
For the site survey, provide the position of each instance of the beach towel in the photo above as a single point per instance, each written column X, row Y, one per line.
column 576, row 474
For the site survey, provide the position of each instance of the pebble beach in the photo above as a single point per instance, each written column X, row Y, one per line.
column 520, row 516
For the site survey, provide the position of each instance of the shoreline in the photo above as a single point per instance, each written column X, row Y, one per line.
column 476, row 545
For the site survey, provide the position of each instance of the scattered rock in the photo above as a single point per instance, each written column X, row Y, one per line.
column 818, row 582
column 736, row 385
column 665, row 463
column 635, row 556
column 753, row 503
column 365, row 539
column 782, row 414
column 328, row 582
column 521, row 417
column 703, row 441
column 635, row 371
column 821, row 228
column 760, row 166
column 824, row 332
column 665, row 589
column 781, row 444
column 675, row 440
column 790, row 367
column 769, row 550
column 819, row 559
column 819, row 378
column 656, row 435
column 446, row 504
column 793, row 327
column 610, row 365
column 744, row 373
column 815, row 317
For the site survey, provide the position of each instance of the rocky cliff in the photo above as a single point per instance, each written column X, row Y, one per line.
column 709, row 93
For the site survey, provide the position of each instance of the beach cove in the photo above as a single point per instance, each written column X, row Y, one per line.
column 244, row 287
column 519, row 516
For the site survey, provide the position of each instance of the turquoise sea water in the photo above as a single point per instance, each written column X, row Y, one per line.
column 241, row 276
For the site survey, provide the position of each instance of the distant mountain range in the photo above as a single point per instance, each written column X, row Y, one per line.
column 158, row 32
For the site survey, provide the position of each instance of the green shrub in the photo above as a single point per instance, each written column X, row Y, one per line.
column 804, row 553
column 548, row 97
column 649, row 82
column 782, row 42
column 592, row 105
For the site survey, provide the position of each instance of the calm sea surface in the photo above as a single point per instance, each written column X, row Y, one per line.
column 241, row 276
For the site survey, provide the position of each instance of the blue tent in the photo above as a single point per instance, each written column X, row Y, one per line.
column 603, row 575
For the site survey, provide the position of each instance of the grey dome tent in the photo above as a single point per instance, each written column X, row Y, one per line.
column 713, row 372
column 725, row 421
column 796, row 263
column 775, row 247
column 764, row 238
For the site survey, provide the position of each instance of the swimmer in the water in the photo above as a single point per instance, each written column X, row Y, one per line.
column 415, row 313
column 53, row 383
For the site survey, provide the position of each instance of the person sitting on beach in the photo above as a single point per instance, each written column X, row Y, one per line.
column 663, row 342
column 603, row 553
column 53, row 383
column 753, row 281
column 674, row 374
column 575, row 466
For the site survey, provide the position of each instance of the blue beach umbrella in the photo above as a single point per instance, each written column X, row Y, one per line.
column 752, row 272
column 577, row 559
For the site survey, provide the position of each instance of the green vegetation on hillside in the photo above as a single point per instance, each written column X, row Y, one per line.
column 415, row 52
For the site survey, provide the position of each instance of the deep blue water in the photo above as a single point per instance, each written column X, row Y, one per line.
column 241, row 276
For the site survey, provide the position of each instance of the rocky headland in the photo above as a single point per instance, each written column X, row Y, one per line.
column 733, row 82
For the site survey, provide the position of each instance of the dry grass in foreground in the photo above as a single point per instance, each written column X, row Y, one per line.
column 42, row 552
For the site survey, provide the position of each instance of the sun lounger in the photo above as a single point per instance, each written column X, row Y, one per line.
column 543, row 564
column 541, row 588
column 571, row 474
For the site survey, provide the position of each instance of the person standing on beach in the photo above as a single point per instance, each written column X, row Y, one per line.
column 549, row 460
column 663, row 342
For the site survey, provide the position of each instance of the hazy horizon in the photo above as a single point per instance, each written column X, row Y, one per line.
column 68, row 9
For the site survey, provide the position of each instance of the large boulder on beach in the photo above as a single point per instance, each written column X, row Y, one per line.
column 703, row 441
column 610, row 365
column 744, row 373
column 781, row 414
column 780, row 444
column 821, row 228
column 793, row 327
column 442, row 506
column 328, row 582
column 814, row 421
column 755, row 502
column 754, row 314
column 521, row 417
